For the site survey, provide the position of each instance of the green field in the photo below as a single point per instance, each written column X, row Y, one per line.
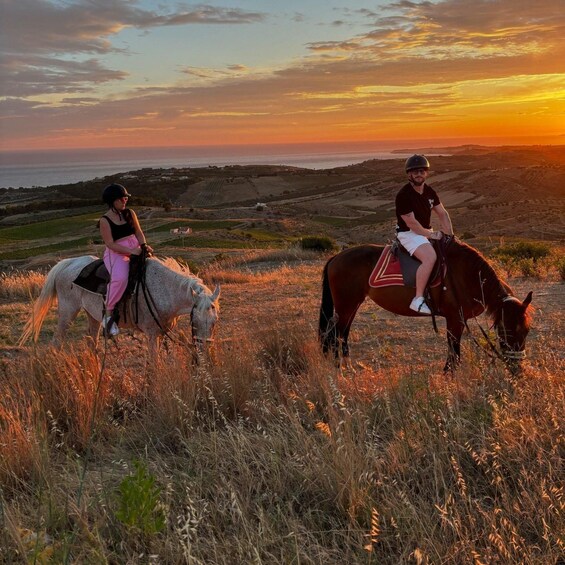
column 51, row 228
column 196, row 225
column 25, row 253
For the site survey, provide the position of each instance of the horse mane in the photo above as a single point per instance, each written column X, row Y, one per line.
column 182, row 273
column 493, row 288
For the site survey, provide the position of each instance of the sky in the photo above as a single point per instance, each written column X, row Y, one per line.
column 144, row 73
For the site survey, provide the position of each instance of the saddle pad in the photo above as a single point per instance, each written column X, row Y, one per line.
column 94, row 277
column 389, row 271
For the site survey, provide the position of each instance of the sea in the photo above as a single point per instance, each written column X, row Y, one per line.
column 29, row 169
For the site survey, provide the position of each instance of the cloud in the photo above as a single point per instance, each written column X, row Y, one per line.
column 480, row 28
column 43, row 26
column 415, row 66
column 25, row 76
column 203, row 75
column 334, row 46
column 38, row 37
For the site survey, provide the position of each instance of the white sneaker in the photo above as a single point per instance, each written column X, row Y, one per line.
column 419, row 305
column 109, row 327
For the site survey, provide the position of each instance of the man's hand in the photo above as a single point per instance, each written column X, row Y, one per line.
column 436, row 235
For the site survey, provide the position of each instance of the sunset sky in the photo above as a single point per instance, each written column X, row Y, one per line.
column 115, row 73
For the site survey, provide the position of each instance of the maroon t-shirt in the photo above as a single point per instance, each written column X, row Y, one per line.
column 408, row 200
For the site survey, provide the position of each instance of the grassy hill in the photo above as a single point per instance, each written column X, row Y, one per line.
column 265, row 452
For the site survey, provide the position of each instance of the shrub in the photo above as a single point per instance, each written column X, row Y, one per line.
column 139, row 501
column 318, row 243
column 523, row 250
column 530, row 268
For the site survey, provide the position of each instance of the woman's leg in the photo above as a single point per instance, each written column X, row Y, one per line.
column 118, row 267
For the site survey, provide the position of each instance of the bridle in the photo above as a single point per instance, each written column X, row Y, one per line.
column 507, row 354
column 195, row 339
column 511, row 354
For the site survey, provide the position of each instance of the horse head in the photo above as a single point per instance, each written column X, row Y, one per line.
column 512, row 325
column 204, row 314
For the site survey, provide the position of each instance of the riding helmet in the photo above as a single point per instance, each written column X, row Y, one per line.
column 416, row 162
column 113, row 192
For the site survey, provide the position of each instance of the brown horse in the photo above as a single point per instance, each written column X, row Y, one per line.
column 471, row 287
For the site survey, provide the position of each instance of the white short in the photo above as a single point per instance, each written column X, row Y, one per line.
column 411, row 241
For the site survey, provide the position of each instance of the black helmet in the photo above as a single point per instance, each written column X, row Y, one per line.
column 113, row 192
column 416, row 162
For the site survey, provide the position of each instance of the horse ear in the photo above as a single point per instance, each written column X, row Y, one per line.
column 527, row 300
column 192, row 293
column 216, row 293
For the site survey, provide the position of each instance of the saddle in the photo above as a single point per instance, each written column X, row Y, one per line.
column 396, row 267
column 95, row 276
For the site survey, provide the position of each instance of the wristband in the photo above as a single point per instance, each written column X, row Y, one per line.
column 143, row 245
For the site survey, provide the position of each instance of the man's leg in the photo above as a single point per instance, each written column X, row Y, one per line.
column 427, row 255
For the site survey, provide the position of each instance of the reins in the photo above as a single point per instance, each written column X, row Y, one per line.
column 150, row 302
column 492, row 346
column 442, row 246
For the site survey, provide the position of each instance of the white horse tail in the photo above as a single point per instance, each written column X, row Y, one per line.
column 43, row 303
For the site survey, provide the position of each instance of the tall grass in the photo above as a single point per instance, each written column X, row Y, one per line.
column 270, row 455
column 18, row 284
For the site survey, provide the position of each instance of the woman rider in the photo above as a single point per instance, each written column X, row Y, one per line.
column 123, row 237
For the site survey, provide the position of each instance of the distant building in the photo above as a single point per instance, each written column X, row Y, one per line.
column 260, row 206
column 181, row 231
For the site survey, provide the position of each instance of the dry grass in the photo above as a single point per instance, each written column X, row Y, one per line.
column 18, row 285
column 268, row 455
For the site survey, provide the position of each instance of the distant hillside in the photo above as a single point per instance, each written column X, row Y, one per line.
column 491, row 193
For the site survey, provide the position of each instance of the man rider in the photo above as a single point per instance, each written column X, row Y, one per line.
column 414, row 205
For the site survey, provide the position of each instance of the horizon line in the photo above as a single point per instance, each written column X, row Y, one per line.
column 383, row 145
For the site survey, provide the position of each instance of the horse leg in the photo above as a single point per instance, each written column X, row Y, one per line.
column 346, row 314
column 66, row 316
column 454, row 332
column 93, row 330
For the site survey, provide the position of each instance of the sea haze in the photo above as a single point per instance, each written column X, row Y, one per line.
column 27, row 169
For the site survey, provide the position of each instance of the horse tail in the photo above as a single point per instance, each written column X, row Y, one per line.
column 43, row 303
column 327, row 332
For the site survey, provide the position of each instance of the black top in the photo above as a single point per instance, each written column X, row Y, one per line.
column 119, row 231
column 409, row 200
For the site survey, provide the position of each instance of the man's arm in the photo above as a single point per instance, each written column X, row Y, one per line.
column 415, row 225
column 444, row 219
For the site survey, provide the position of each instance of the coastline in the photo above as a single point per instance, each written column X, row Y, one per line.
column 42, row 169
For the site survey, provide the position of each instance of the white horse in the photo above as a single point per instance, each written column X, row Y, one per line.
column 171, row 290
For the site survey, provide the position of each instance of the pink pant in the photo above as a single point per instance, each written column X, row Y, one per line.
column 118, row 267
